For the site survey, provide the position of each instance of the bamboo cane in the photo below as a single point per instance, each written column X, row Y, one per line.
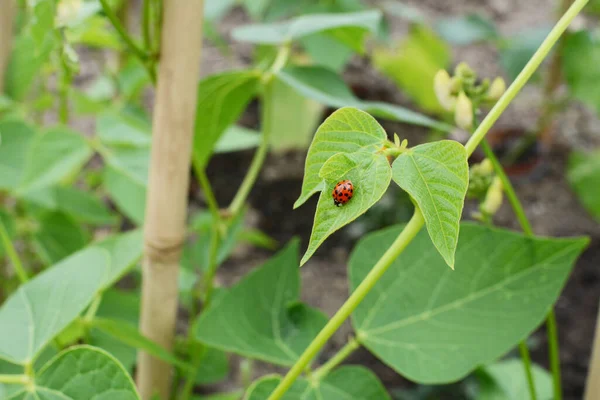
column 7, row 15
column 164, row 226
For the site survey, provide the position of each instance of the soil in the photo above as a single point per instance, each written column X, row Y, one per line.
column 549, row 202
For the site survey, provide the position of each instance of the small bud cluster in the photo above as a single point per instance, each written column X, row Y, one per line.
column 462, row 94
column 487, row 188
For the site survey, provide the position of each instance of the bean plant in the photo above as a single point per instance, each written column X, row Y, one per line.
column 438, row 305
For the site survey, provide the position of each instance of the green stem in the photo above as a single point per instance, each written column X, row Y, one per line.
column 14, row 379
column 213, row 265
column 334, row 361
column 211, row 200
column 261, row 153
column 410, row 231
column 417, row 222
column 552, row 332
column 146, row 20
column 526, row 358
column 12, row 254
column 524, row 75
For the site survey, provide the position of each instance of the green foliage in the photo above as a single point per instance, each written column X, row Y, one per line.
column 236, row 138
column 347, row 28
column 58, row 236
column 214, row 366
column 467, row 29
column 43, row 307
column 82, row 372
column 516, row 50
column 582, row 49
column 583, row 174
column 261, row 317
column 348, row 382
column 221, row 100
column 121, row 129
column 83, row 206
column 435, row 325
column 16, row 139
column 436, row 175
column 414, row 63
column 505, row 380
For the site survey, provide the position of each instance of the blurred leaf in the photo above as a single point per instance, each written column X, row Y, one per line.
column 583, row 174
column 435, row 325
column 370, row 174
column 58, row 237
column 414, row 63
column 264, row 309
column 580, row 51
column 516, row 51
column 404, row 11
column 83, row 206
column 347, row 382
column 436, row 175
column 467, row 29
column 348, row 28
column 326, row 51
column 221, row 100
column 326, row 87
column 128, row 334
column 214, row 366
column 125, row 250
column 96, row 32
column 347, row 130
column 258, row 239
column 10, row 226
column 132, row 79
column 217, row 9
column 44, row 306
column 53, row 156
column 237, row 395
column 16, row 140
column 505, row 380
column 120, row 129
column 237, row 138
column 81, row 372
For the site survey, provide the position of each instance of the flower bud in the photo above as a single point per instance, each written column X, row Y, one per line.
column 463, row 112
column 493, row 198
column 464, row 71
column 496, row 90
column 442, row 86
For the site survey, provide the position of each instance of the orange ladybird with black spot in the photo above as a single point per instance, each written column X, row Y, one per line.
column 342, row 193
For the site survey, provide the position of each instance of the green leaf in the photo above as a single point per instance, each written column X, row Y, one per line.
column 237, row 138
column 10, row 225
column 128, row 334
column 261, row 316
column 52, row 157
column 370, row 175
column 505, row 380
column 83, row 206
column 125, row 250
column 583, row 174
column 413, row 65
column 58, row 237
column 582, row 49
column 516, row 51
column 221, row 100
column 467, row 29
column 326, row 87
column 81, row 372
column 436, row 175
column 41, row 308
column 214, row 366
column 96, row 32
column 347, row 130
column 348, row 28
column 132, row 78
column 435, row 325
column 326, row 51
column 237, row 395
column 347, row 383
column 16, row 140
column 124, row 130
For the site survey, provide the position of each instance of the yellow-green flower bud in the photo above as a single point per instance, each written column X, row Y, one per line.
column 463, row 112
column 442, row 86
column 496, row 90
column 464, row 71
column 493, row 198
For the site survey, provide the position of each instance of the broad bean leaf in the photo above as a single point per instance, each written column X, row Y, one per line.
column 237, row 138
column 347, row 130
column 53, row 156
column 122, row 129
column 41, row 308
column 370, row 175
column 345, row 383
column 326, row 51
column 583, row 174
column 348, row 28
column 81, row 372
column 506, row 380
column 83, row 206
column 467, row 29
column 326, row 87
column 582, row 49
column 436, row 175
column 96, row 32
column 435, row 325
column 221, row 100
column 214, row 366
column 16, row 139
column 261, row 317
column 413, row 64
column 125, row 250
column 58, row 236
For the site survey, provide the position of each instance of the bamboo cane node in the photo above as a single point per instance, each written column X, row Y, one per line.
column 164, row 251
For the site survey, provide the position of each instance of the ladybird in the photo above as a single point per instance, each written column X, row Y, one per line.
column 342, row 192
